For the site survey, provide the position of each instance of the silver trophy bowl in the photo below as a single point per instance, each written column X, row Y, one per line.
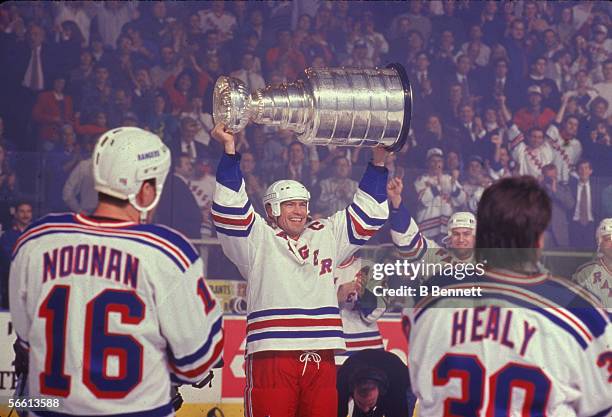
column 327, row 106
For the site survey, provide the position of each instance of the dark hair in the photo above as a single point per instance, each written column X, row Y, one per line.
column 512, row 215
column 548, row 167
column 534, row 129
column 583, row 161
column 369, row 373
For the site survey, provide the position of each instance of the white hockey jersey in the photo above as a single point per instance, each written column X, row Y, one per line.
column 291, row 297
column 533, row 345
column 112, row 313
column 360, row 328
column 596, row 277
column 567, row 153
column 530, row 161
column 413, row 246
column 439, row 198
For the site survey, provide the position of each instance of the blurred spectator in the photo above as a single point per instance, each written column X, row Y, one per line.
column 73, row 11
column 186, row 144
column 550, row 93
column 416, row 20
column 534, row 155
column 9, row 188
column 22, row 218
column 59, row 163
column 285, row 52
column 5, row 142
column 160, row 121
column 79, row 193
column 203, row 120
column 214, row 47
column 363, row 33
column 600, row 46
column 445, row 53
column 254, row 184
column 566, row 28
column 449, row 21
column 110, row 16
column 202, row 186
column 567, row 148
column 187, row 83
column 101, row 54
column 153, row 21
column 81, row 75
column 552, row 45
column 484, row 52
column 97, row 125
column 52, row 110
column 96, row 95
column 463, row 76
column 583, row 92
column 439, row 196
column 31, row 68
column 434, row 136
column 177, row 206
column 470, row 133
column 359, row 57
column 68, row 46
column 557, row 234
column 142, row 93
column 606, row 198
column 475, row 181
column 336, row 192
column 585, row 214
column 451, row 107
column 491, row 23
column 516, row 49
column 298, row 168
column 218, row 19
column 168, row 66
column 604, row 88
column 559, row 70
column 535, row 114
column 502, row 165
column 247, row 73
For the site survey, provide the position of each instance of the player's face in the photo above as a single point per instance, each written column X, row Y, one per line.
column 366, row 396
column 605, row 246
column 293, row 216
column 462, row 241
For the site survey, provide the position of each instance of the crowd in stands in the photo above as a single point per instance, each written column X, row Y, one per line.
column 500, row 88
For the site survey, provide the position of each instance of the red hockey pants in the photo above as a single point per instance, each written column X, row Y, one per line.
column 291, row 384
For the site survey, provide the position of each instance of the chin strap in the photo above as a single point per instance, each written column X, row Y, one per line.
column 145, row 210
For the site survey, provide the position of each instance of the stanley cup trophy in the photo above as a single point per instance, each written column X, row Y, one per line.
column 327, row 106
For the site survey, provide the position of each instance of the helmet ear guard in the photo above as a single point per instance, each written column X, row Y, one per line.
column 284, row 190
column 126, row 157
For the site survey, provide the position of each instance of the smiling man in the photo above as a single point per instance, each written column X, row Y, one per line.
column 288, row 260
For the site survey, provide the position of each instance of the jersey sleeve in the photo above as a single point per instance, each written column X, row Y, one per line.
column 411, row 244
column 236, row 222
column 595, row 377
column 190, row 319
column 353, row 226
column 18, row 285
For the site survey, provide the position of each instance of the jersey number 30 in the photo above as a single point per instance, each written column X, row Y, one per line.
column 470, row 371
column 99, row 343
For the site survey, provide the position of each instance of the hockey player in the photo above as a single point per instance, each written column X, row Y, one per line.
column 519, row 349
column 412, row 245
column 112, row 311
column 288, row 260
column 359, row 307
column 596, row 275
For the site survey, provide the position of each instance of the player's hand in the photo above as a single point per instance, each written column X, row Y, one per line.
column 225, row 138
column 394, row 191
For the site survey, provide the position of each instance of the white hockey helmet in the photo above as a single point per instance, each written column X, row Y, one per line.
column 284, row 190
column 604, row 229
column 124, row 158
column 461, row 219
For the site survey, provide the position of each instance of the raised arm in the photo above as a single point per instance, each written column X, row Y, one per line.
column 367, row 213
column 233, row 215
